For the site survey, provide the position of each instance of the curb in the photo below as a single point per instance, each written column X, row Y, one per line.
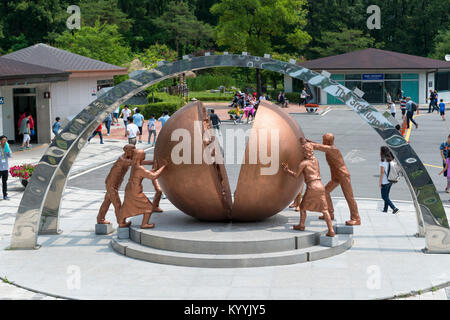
column 35, row 291
column 419, row 292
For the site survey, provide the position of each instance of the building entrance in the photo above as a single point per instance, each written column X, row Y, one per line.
column 373, row 92
column 24, row 101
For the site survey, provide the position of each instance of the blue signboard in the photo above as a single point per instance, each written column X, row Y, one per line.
column 2, row 100
column 373, row 76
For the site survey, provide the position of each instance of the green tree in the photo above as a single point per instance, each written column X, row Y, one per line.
column 105, row 11
column 155, row 53
column 255, row 25
column 38, row 21
column 179, row 24
column 442, row 45
column 101, row 42
column 344, row 41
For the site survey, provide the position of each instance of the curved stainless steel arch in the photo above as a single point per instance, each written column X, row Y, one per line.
column 39, row 209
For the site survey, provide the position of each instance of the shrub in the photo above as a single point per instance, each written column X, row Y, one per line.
column 209, row 96
column 212, row 81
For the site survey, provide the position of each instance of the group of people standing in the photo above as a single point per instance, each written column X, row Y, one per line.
column 134, row 122
column 249, row 103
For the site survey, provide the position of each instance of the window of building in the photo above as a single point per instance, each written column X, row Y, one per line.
column 412, row 76
column 442, row 80
column 297, row 85
column 392, row 76
column 353, row 77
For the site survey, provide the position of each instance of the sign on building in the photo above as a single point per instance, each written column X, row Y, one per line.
column 373, row 76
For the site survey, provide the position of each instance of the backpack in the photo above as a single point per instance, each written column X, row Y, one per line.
column 394, row 173
column 414, row 107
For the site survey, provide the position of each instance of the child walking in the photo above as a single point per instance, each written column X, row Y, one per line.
column 151, row 124
column 442, row 109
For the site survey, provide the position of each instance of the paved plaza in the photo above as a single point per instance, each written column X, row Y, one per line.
column 385, row 261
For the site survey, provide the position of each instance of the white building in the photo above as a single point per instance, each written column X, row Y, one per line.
column 377, row 72
column 49, row 83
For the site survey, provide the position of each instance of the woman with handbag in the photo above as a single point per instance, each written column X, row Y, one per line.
column 385, row 184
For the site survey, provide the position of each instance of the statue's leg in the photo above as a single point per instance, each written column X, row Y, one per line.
column 347, row 189
column 296, row 202
column 157, row 197
column 123, row 215
column 301, row 226
column 327, row 219
column 104, row 209
column 145, row 221
column 328, row 189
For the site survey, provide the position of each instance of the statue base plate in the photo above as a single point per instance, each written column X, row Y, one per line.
column 103, row 229
column 123, row 233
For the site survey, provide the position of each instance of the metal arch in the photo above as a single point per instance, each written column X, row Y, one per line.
column 39, row 209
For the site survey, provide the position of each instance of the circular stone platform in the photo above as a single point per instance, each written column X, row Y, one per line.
column 181, row 240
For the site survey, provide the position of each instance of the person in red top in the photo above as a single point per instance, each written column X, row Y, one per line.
column 99, row 132
column 23, row 117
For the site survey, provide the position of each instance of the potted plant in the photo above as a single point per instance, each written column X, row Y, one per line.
column 232, row 113
column 23, row 172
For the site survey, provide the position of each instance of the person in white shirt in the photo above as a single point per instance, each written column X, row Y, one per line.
column 132, row 131
column 126, row 113
column 392, row 109
column 385, row 184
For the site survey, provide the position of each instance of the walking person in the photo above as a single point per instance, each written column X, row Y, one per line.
column 446, row 170
column 132, row 131
column 138, row 120
column 388, row 98
column 25, row 130
column 163, row 119
column 215, row 121
column 56, row 127
column 411, row 107
column 116, row 116
column 445, row 147
column 431, row 106
column 125, row 114
column 385, row 184
column 5, row 153
column 436, row 99
column 442, row 109
column 151, row 125
column 303, row 96
column 108, row 122
column 392, row 109
column 403, row 106
column 98, row 132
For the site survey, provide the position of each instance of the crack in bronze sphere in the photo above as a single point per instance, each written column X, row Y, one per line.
column 202, row 190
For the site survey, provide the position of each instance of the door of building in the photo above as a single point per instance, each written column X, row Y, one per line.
column 373, row 91
column 24, row 101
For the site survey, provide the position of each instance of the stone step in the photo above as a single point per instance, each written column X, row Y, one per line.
column 177, row 232
column 134, row 250
column 290, row 242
